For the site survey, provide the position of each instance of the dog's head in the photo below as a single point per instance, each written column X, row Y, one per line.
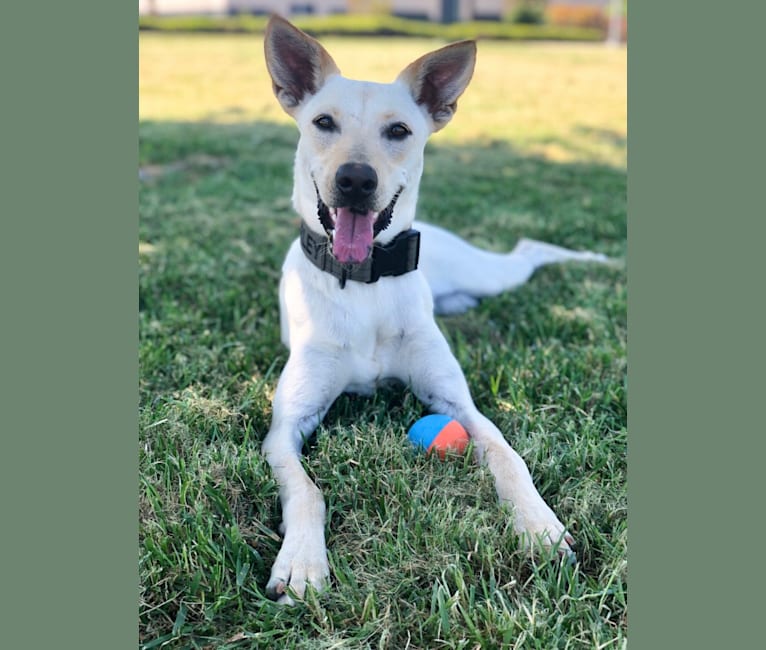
column 360, row 154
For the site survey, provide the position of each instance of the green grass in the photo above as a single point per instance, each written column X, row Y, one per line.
column 421, row 554
column 373, row 25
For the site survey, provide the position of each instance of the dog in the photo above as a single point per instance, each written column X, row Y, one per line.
column 357, row 293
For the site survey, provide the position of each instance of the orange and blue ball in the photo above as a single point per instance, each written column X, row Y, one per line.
column 439, row 434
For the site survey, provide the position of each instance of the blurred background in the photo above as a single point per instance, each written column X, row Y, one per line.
column 607, row 17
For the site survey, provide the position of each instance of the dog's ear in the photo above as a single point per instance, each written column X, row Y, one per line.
column 297, row 63
column 437, row 79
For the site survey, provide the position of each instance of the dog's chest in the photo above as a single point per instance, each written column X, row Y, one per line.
column 374, row 359
column 365, row 328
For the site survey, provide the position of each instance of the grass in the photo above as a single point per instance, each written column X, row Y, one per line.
column 421, row 555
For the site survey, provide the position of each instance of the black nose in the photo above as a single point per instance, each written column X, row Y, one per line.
column 356, row 182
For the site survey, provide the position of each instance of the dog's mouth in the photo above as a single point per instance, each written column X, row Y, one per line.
column 352, row 229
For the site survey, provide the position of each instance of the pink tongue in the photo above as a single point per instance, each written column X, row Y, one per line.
column 352, row 239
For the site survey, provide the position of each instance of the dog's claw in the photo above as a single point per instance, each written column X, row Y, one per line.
column 275, row 589
column 566, row 549
column 297, row 568
column 280, row 597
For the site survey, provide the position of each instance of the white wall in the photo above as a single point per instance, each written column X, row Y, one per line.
column 433, row 8
column 184, row 6
column 283, row 6
column 224, row 6
column 430, row 8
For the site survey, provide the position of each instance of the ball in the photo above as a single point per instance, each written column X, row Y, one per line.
column 438, row 433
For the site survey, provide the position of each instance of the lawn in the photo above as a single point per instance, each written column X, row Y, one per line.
column 420, row 552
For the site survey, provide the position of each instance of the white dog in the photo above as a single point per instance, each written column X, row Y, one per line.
column 357, row 295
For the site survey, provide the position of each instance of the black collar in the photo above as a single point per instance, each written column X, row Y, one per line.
column 398, row 257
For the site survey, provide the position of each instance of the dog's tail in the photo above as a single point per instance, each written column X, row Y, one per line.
column 460, row 274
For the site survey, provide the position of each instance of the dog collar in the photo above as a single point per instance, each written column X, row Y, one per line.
column 398, row 257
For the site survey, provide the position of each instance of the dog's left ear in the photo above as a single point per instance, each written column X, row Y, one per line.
column 297, row 63
column 437, row 79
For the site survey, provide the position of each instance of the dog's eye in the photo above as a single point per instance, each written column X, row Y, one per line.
column 398, row 131
column 325, row 123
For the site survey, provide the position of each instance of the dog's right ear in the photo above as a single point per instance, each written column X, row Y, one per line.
column 297, row 63
column 437, row 79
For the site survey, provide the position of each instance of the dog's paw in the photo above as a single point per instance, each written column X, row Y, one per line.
column 546, row 540
column 454, row 303
column 539, row 528
column 301, row 561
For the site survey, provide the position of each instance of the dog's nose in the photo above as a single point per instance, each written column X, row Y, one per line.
column 356, row 182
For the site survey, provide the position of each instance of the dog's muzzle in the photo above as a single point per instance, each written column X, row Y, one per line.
column 352, row 228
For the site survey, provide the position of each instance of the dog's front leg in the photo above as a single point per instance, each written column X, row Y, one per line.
column 438, row 381
column 308, row 386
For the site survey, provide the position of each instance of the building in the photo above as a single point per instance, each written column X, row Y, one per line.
column 587, row 13
column 449, row 11
column 436, row 10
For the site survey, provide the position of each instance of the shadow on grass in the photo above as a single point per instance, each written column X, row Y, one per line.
column 216, row 216
column 215, row 223
column 490, row 192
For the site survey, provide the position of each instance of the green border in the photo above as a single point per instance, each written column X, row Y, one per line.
column 69, row 402
column 696, row 341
